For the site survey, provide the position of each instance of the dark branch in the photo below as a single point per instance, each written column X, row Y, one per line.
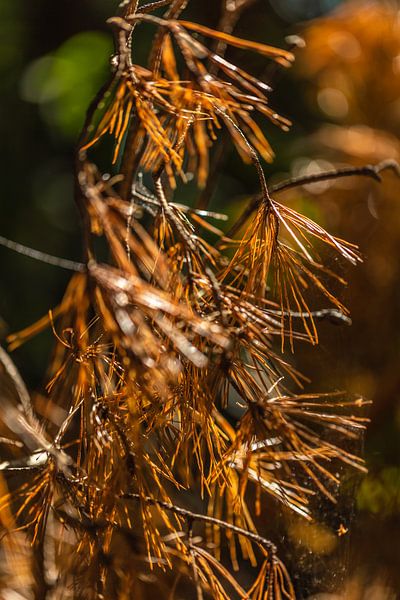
column 365, row 171
column 192, row 516
column 371, row 171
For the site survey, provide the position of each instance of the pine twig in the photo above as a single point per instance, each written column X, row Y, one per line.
column 190, row 515
column 371, row 171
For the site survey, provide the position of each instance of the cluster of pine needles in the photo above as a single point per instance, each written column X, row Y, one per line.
column 170, row 421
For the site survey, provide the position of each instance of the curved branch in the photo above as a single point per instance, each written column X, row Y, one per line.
column 365, row 171
column 192, row 516
column 55, row 261
column 371, row 171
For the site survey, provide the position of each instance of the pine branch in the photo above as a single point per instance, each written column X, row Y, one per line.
column 192, row 516
column 371, row 171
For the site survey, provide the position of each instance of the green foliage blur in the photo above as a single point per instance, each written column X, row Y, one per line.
column 53, row 58
column 63, row 83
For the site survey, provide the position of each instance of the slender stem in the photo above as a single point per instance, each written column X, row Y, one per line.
column 331, row 314
column 188, row 514
column 371, row 171
column 264, row 197
column 63, row 263
column 366, row 171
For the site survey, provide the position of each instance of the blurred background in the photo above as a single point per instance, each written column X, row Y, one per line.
column 343, row 96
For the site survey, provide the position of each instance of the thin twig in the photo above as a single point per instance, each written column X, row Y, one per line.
column 365, row 171
column 55, row 261
column 371, row 171
column 188, row 514
column 331, row 314
column 255, row 159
